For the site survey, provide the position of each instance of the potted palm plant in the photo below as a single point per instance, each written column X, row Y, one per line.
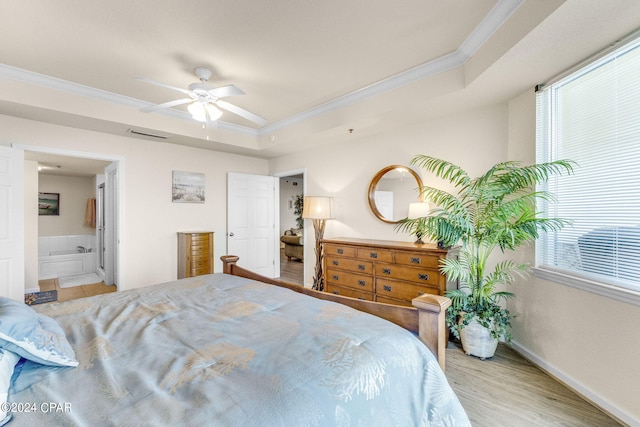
column 494, row 211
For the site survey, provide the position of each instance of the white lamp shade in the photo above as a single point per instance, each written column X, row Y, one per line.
column 200, row 110
column 213, row 112
column 317, row 208
column 197, row 111
column 419, row 210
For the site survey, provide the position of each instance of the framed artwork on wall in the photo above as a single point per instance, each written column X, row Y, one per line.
column 48, row 203
column 188, row 187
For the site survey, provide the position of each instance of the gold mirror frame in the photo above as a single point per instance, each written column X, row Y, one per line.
column 376, row 180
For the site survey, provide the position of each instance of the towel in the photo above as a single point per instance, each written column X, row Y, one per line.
column 90, row 213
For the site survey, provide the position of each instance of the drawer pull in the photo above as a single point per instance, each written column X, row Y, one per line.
column 362, row 283
column 340, row 251
column 415, row 260
column 334, row 262
column 336, row 292
column 361, row 267
column 373, row 255
column 423, row 276
column 386, row 270
column 335, row 277
column 420, row 294
column 360, row 298
column 387, row 288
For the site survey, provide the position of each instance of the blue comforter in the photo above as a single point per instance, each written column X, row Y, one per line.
column 223, row 350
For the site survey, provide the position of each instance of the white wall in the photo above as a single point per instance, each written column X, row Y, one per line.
column 473, row 139
column 289, row 189
column 74, row 192
column 151, row 220
column 588, row 341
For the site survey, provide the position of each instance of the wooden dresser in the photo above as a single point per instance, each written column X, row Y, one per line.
column 381, row 270
column 195, row 253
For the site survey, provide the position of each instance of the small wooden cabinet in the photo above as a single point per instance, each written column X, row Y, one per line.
column 383, row 271
column 195, row 254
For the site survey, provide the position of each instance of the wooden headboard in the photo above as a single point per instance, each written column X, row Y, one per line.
column 426, row 317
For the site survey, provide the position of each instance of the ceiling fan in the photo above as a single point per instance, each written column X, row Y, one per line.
column 205, row 99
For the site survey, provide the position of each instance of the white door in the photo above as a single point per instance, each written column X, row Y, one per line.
column 251, row 222
column 11, row 223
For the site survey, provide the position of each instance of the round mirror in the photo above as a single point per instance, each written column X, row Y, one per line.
column 392, row 190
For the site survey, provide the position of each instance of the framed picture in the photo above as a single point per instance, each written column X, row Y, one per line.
column 188, row 187
column 48, row 203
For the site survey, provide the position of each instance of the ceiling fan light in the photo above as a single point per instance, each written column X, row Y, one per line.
column 197, row 111
column 213, row 112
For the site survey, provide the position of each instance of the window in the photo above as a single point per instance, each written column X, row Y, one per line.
column 592, row 117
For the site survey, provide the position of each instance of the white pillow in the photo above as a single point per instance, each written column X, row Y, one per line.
column 8, row 360
column 33, row 336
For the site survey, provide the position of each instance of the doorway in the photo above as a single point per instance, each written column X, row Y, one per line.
column 292, row 227
column 106, row 236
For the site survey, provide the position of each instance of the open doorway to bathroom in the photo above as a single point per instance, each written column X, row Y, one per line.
column 292, row 227
column 74, row 252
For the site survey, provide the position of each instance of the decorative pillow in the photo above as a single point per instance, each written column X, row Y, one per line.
column 33, row 336
column 8, row 360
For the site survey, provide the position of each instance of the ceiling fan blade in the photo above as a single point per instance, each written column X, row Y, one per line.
column 153, row 82
column 167, row 105
column 261, row 121
column 229, row 90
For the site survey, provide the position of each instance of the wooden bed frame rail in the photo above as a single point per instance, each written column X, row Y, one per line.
column 426, row 317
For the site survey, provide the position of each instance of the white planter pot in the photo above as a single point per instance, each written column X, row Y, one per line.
column 477, row 340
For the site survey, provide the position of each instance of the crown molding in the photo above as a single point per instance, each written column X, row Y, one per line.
column 496, row 17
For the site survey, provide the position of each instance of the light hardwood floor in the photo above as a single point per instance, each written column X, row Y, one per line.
column 291, row 271
column 65, row 294
column 507, row 390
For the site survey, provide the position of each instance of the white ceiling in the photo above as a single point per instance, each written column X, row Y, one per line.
column 313, row 69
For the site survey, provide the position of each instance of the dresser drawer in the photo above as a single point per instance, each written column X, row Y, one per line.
column 339, row 250
column 199, row 255
column 350, row 264
column 198, row 271
column 199, row 237
column 348, row 292
column 417, row 260
column 373, row 254
column 402, row 290
column 200, row 245
column 351, row 280
column 411, row 274
column 200, row 262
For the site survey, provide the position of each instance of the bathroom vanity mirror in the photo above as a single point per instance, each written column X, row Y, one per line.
column 391, row 191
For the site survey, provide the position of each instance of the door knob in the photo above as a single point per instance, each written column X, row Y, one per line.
column 231, row 234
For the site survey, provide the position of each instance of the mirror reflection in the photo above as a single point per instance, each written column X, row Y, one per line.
column 391, row 191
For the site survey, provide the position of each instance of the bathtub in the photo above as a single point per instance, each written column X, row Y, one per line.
column 65, row 263
column 59, row 256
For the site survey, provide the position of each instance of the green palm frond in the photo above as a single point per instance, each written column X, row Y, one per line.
column 443, row 169
column 494, row 210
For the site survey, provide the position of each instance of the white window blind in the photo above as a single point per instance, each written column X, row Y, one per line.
column 593, row 118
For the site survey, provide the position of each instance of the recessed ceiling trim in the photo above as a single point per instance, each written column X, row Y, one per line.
column 26, row 76
column 496, row 17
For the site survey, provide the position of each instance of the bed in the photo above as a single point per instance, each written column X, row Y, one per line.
column 223, row 349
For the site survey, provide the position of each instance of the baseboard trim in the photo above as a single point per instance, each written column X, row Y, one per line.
column 585, row 392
